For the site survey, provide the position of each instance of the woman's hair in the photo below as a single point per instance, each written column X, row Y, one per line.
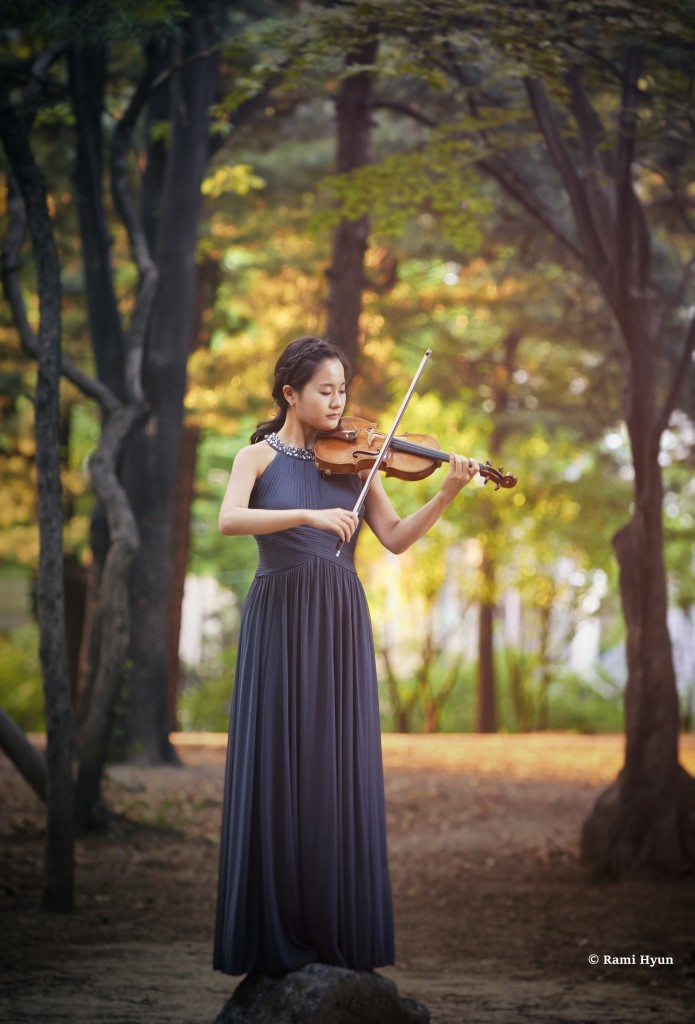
column 295, row 367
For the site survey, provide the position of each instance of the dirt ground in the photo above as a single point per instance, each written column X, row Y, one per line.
column 495, row 919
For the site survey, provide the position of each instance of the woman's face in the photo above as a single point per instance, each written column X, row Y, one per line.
column 321, row 401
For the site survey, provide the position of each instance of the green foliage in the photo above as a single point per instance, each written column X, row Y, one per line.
column 238, row 179
column 377, row 190
column 92, row 19
column 576, row 705
column 205, row 699
column 21, row 690
column 231, row 560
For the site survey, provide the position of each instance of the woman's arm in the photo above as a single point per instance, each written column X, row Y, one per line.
column 236, row 518
column 398, row 534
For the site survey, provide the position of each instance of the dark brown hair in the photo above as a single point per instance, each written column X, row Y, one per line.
column 295, row 367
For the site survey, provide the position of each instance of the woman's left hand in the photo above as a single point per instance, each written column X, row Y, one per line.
column 461, row 472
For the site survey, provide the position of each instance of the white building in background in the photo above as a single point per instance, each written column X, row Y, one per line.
column 208, row 611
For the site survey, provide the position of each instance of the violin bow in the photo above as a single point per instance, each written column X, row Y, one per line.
column 385, row 446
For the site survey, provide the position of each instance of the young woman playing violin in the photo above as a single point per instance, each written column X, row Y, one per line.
column 303, row 863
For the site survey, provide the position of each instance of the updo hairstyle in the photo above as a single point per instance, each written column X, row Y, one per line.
column 295, row 367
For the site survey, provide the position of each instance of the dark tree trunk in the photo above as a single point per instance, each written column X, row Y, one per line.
column 114, row 531
column 152, row 456
column 645, row 818
column 59, row 863
column 486, row 704
column 346, row 274
column 27, row 759
column 207, row 279
column 75, row 578
column 88, row 66
column 113, row 618
column 486, row 709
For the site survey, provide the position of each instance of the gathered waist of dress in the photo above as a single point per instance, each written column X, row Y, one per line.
column 286, row 549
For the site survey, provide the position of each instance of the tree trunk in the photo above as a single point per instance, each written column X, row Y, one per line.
column 207, row 279
column 88, row 67
column 59, row 863
column 544, row 665
column 346, row 273
column 152, row 456
column 28, row 761
column 645, row 819
column 114, row 531
column 402, row 709
column 112, row 617
column 486, row 710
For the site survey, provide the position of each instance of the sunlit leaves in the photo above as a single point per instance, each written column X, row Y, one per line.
column 236, row 178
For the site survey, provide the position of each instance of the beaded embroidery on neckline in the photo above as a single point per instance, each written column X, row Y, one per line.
column 288, row 449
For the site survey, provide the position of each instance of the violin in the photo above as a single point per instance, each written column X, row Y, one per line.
column 356, row 444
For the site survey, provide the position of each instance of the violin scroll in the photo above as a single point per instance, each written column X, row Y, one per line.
column 498, row 476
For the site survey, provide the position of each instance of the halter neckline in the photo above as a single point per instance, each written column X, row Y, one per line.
column 288, row 449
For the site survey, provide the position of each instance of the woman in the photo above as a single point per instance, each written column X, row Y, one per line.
column 303, row 863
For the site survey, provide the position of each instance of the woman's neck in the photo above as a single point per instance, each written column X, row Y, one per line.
column 297, row 434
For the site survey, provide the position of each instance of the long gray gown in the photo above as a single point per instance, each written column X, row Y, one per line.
column 303, row 864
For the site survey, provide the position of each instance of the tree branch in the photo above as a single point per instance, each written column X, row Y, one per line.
column 596, row 255
column 147, row 268
column 677, row 296
column 29, row 762
column 592, row 138
column 513, row 185
column 406, row 109
column 9, row 273
column 679, row 377
column 508, row 179
column 624, row 194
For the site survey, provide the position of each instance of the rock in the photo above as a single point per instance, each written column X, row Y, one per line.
column 320, row 994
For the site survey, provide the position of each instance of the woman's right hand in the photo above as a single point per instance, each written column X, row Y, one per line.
column 342, row 521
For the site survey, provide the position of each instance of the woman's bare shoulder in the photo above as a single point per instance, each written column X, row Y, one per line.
column 255, row 458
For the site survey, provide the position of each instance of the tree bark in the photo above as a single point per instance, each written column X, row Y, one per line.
column 486, row 703
column 152, row 456
column 645, row 819
column 28, row 761
column 486, row 706
column 112, row 617
column 58, row 882
column 87, row 65
column 346, row 274
column 207, row 279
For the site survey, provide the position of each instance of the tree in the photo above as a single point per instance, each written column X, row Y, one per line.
column 644, row 817
column 46, row 346
column 346, row 276
column 599, row 117
column 127, row 387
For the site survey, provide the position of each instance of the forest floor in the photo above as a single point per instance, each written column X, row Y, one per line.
column 496, row 921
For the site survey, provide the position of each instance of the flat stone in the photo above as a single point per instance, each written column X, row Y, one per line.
column 320, row 994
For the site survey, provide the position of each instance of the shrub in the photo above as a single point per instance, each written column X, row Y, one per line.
column 21, row 688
